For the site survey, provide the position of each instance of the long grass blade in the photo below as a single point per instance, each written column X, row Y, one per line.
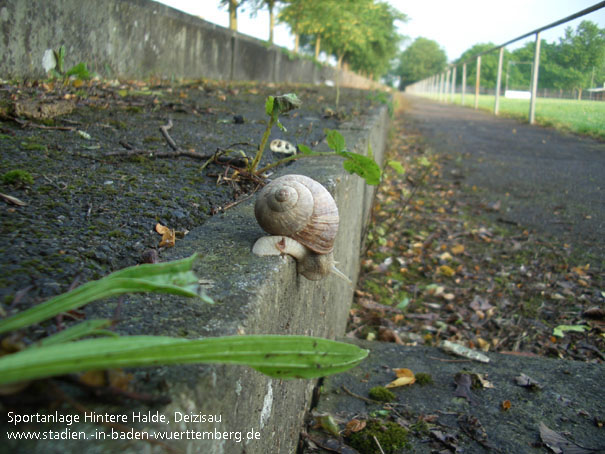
column 276, row 356
column 171, row 277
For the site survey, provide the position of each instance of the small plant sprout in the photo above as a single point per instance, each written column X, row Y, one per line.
column 274, row 106
column 362, row 165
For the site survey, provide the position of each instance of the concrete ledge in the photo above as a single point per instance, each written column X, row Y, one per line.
column 253, row 295
column 142, row 38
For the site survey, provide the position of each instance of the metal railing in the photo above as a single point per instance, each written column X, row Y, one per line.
column 444, row 84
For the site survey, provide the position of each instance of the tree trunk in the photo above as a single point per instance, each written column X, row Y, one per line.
column 296, row 42
column 338, row 69
column 233, row 14
column 271, row 21
column 317, row 46
column 579, row 93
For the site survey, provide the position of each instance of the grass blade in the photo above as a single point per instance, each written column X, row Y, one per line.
column 276, row 356
column 171, row 277
column 87, row 328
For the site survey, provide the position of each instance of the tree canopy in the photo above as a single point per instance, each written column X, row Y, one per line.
column 421, row 59
column 577, row 61
column 361, row 33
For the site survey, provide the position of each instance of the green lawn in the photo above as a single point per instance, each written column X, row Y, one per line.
column 582, row 117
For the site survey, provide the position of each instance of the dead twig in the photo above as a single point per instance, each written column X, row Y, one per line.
column 357, row 396
column 164, row 130
column 30, row 124
column 450, row 360
column 378, row 444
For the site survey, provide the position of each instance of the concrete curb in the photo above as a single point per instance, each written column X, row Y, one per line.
column 253, row 296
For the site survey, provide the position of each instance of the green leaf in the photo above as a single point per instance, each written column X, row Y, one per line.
column 87, row 328
column 361, row 165
column 171, row 277
column 269, row 105
column 80, row 70
column 335, row 140
column 397, row 166
column 307, row 151
column 286, row 103
column 276, row 356
column 561, row 329
column 424, row 162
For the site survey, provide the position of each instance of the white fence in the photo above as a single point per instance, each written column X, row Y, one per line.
column 443, row 85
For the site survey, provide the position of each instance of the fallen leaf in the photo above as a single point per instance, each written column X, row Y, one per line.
column 527, row 382
column 561, row 445
column 446, row 271
column 327, row 423
column 168, row 235
column 457, row 249
column 463, row 387
column 463, row 351
column 355, row 425
column 482, row 380
column 404, row 377
column 559, row 330
column 480, row 304
column 12, row 200
column 506, row 405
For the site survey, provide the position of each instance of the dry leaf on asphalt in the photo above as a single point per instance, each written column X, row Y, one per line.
column 561, row 445
column 404, row 377
column 168, row 235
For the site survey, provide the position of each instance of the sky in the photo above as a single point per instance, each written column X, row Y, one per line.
column 454, row 25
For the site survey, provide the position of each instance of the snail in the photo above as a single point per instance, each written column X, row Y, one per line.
column 302, row 218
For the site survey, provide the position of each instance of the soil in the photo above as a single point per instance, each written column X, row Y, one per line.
column 104, row 175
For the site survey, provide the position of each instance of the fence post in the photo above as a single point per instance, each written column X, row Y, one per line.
column 447, row 85
column 463, row 82
column 498, row 81
column 441, row 82
column 477, row 81
column 534, row 81
column 453, row 83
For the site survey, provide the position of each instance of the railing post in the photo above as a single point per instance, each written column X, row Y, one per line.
column 441, row 82
column 534, row 81
column 477, row 81
column 498, row 81
column 453, row 83
column 446, row 91
column 463, row 82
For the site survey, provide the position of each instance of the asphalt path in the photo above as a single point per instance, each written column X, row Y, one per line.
column 539, row 178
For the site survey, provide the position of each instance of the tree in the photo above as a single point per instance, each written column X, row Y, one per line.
column 375, row 55
column 489, row 64
column 419, row 60
column 306, row 17
column 270, row 4
column 584, row 52
column 233, row 6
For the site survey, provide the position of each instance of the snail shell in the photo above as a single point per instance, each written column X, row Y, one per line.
column 300, row 208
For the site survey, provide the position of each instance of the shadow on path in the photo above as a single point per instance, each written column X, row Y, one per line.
column 544, row 179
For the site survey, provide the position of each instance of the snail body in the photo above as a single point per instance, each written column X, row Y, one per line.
column 302, row 218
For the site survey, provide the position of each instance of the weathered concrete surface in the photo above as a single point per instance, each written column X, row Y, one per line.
column 571, row 401
column 253, row 295
column 142, row 38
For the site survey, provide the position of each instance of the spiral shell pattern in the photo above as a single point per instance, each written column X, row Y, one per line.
column 299, row 207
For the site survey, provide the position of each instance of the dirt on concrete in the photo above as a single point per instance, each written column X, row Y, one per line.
column 95, row 174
